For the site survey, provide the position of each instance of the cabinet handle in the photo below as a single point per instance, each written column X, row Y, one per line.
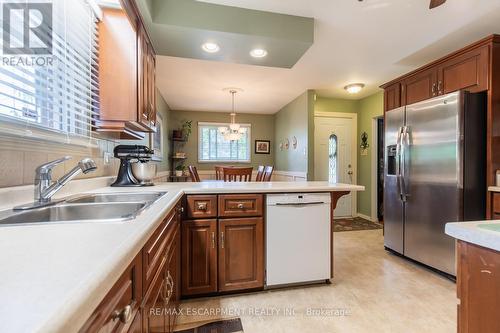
column 433, row 89
column 124, row 315
column 222, row 239
column 213, row 240
column 240, row 206
column 202, row 206
column 181, row 209
column 439, row 87
column 168, row 289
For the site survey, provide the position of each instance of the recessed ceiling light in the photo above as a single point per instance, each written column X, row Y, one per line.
column 258, row 53
column 354, row 88
column 210, row 47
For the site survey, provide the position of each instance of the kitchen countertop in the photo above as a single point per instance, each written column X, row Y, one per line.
column 471, row 233
column 494, row 188
column 54, row 275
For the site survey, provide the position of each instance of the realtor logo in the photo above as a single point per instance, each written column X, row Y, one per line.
column 27, row 28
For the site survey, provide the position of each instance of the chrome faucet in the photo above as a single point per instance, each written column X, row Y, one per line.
column 45, row 189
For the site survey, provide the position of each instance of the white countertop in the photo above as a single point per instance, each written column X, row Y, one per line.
column 54, row 275
column 494, row 188
column 471, row 233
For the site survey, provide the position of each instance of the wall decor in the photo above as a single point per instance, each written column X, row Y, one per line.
column 294, row 142
column 287, row 144
column 156, row 139
column 364, row 141
column 262, row 146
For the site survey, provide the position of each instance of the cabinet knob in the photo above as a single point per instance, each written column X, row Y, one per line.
column 240, row 206
column 124, row 315
column 202, row 206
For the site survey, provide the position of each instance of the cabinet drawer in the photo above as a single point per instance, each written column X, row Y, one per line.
column 201, row 206
column 154, row 250
column 120, row 305
column 496, row 203
column 235, row 205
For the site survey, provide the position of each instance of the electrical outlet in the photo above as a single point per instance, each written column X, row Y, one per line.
column 107, row 158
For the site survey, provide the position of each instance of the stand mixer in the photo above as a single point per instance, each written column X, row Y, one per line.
column 129, row 154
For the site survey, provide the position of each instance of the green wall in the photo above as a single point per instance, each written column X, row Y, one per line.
column 294, row 120
column 366, row 109
column 262, row 129
column 369, row 107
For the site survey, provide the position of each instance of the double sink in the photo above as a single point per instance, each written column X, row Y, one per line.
column 88, row 207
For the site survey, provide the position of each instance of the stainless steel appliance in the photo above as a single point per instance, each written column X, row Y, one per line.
column 435, row 172
column 129, row 154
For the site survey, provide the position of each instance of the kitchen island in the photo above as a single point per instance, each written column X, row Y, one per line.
column 478, row 274
column 55, row 276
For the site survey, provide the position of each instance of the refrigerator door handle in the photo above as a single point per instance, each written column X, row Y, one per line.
column 405, row 146
column 398, row 163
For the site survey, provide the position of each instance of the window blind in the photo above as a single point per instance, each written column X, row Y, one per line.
column 61, row 95
column 212, row 147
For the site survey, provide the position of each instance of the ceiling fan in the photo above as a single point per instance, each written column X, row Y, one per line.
column 436, row 3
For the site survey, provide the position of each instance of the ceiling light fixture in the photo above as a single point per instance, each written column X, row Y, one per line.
column 258, row 53
column 234, row 131
column 354, row 88
column 210, row 47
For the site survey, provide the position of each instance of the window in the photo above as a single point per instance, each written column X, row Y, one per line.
column 213, row 148
column 332, row 159
column 61, row 93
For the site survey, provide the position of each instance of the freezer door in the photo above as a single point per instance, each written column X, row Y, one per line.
column 393, row 206
column 433, row 181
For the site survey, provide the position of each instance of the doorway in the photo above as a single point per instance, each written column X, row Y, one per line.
column 335, row 158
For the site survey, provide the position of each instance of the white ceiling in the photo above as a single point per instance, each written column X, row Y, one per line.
column 372, row 42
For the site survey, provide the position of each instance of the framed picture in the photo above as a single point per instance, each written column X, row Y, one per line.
column 156, row 139
column 262, row 146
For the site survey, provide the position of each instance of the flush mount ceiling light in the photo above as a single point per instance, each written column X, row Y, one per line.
column 354, row 88
column 210, row 47
column 258, row 53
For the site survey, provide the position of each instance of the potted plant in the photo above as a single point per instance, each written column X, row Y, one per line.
column 179, row 170
column 186, row 129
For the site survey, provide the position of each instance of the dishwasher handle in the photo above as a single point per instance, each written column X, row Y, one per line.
column 300, row 203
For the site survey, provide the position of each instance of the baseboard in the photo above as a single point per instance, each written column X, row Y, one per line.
column 366, row 217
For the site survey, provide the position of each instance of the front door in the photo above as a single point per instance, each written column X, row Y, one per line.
column 334, row 159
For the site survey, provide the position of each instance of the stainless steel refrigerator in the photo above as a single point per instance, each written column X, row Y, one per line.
column 435, row 172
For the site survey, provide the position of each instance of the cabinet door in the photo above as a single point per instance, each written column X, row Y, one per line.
column 478, row 288
column 154, row 314
column 199, row 257
column 467, row 71
column 241, row 254
column 142, row 75
column 392, row 96
column 419, row 87
column 172, row 280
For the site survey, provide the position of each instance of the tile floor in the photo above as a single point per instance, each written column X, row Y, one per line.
column 372, row 291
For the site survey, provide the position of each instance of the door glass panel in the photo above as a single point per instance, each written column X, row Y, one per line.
column 332, row 159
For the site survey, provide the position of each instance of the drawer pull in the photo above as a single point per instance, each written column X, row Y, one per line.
column 202, row 206
column 124, row 315
column 240, row 206
column 169, row 288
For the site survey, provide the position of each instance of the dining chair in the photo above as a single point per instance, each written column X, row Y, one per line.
column 193, row 172
column 260, row 173
column 219, row 172
column 237, row 174
column 268, row 172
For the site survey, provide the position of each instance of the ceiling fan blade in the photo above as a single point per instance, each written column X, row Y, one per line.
column 436, row 3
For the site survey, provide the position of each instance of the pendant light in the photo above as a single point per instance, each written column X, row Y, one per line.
column 234, row 132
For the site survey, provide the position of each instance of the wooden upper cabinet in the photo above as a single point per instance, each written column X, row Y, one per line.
column 199, row 257
column 241, row 254
column 126, row 74
column 419, row 87
column 467, row 71
column 392, row 96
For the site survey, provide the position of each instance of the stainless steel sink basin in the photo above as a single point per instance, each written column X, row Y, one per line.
column 76, row 212
column 117, row 197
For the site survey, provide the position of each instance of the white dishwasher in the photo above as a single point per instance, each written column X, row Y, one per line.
column 298, row 238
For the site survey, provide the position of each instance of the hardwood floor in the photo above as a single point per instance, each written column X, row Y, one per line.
column 373, row 291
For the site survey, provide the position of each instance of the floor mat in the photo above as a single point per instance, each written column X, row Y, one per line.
column 354, row 224
column 219, row 326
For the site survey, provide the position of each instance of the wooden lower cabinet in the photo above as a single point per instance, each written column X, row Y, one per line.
column 241, row 254
column 199, row 257
column 478, row 289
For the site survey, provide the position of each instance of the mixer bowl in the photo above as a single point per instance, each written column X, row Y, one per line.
column 144, row 171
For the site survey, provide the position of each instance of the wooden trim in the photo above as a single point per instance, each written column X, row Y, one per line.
column 334, row 198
